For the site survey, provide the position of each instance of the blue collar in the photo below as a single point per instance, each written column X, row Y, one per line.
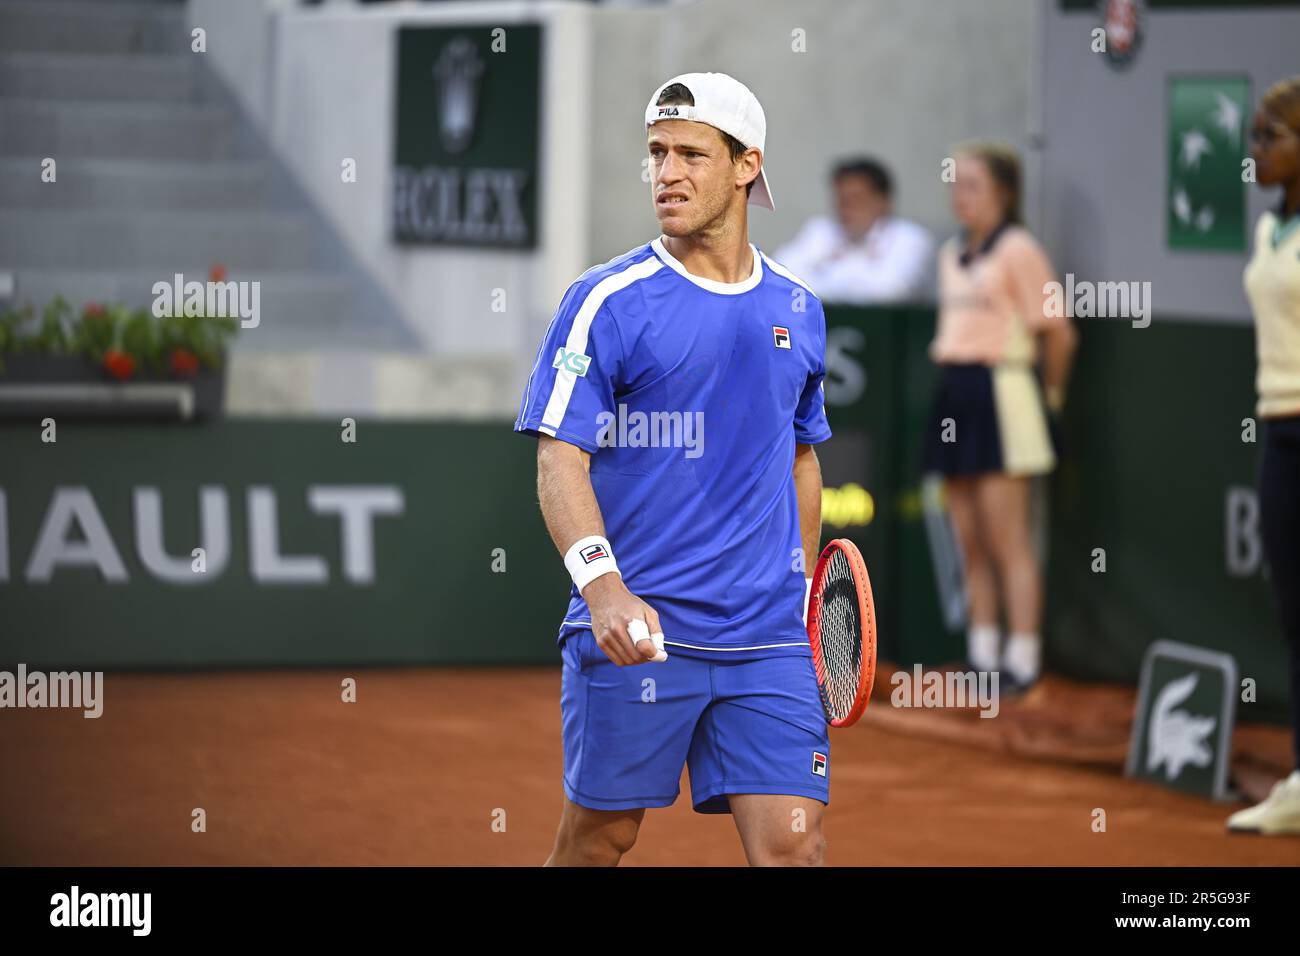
column 967, row 257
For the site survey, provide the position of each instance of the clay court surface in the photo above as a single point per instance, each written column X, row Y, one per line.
column 417, row 770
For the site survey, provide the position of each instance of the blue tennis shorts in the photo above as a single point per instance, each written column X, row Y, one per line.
column 751, row 726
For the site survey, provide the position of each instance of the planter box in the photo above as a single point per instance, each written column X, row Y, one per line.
column 61, row 386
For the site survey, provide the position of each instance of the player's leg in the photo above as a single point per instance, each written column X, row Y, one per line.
column 779, row 830
column 761, row 751
column 981, row 584
column 626, row 733
column 1003, row 504
column 589, row 837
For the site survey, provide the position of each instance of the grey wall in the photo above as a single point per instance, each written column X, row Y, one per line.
column 1104, row 163
column 902, row 79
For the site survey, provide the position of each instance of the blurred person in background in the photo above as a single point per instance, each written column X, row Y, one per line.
column 864, row 254
column 1003, row 357
column 1272, row 281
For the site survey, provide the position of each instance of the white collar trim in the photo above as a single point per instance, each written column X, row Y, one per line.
column 712, row 285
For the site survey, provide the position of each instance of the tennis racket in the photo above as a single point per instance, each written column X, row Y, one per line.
column 842, row 630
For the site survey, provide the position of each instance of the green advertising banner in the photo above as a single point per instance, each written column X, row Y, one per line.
column 1155, row 524
column 1206, row 199
column 416, row 543
column 467, row 134
column 879, row 386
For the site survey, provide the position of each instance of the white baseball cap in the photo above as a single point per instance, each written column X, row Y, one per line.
column 724, row 103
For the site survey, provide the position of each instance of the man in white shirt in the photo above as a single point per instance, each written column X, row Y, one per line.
column 864, row 254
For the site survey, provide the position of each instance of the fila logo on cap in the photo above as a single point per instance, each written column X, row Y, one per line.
column 819, row 764
column 781, row 336
column 666, row 111
column 593, row 552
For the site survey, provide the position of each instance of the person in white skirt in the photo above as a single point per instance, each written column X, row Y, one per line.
column 1004, row 355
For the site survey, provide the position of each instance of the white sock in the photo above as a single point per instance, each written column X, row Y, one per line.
column 982, row 647
column 1022, row 657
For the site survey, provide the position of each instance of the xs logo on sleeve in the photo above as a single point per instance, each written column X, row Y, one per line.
column 574, row 362
column 781, row 336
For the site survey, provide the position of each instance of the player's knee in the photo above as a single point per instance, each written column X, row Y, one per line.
column 794, row 849
column 620, row 836
column 598, row 841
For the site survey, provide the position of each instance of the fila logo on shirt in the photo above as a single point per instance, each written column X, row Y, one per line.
column 781, row 336
column 593, row 552
column 574, row 362
column 819, row 764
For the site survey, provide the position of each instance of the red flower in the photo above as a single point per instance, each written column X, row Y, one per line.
column 120, row 365
column 93, row 310
column 217, row 273
column 183, row 362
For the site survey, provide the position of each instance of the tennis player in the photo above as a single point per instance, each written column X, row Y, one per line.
column 677, row 397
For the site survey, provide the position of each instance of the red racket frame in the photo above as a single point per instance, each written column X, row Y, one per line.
column 866, row 613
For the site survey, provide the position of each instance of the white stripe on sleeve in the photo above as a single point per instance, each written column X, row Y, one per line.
column 562, row 390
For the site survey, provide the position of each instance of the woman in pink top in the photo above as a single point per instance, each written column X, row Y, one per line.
column 1004, row 349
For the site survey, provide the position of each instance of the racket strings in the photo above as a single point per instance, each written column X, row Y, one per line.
column 841, row 637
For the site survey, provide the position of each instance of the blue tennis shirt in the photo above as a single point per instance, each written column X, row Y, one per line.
column 691, row 394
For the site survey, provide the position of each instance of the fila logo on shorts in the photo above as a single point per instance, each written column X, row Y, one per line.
column 593, row 552
column 819, row 764
column 781, row 336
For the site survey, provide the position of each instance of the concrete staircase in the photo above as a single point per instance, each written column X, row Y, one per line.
column 156, row 175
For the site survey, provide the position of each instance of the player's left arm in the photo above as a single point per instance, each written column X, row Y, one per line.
column 811, row 428
column 1030, row 276
column 808, row 491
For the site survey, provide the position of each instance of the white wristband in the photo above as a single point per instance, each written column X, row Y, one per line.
column 588, row 559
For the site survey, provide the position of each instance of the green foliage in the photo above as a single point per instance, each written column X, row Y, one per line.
column 53, row 336
column 148, row 339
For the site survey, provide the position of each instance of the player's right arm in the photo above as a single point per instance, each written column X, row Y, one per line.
column 568, row 402
column 572, row 513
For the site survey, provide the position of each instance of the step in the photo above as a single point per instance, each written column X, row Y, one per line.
column 84, row 26
column 85, row 76
column 368, row 380
column 122, row 239
column 133, row 184
column 78, row 128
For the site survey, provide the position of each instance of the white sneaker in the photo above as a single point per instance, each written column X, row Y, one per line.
column 1278, row 814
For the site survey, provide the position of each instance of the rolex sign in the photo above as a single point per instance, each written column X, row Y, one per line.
column 465, row 156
